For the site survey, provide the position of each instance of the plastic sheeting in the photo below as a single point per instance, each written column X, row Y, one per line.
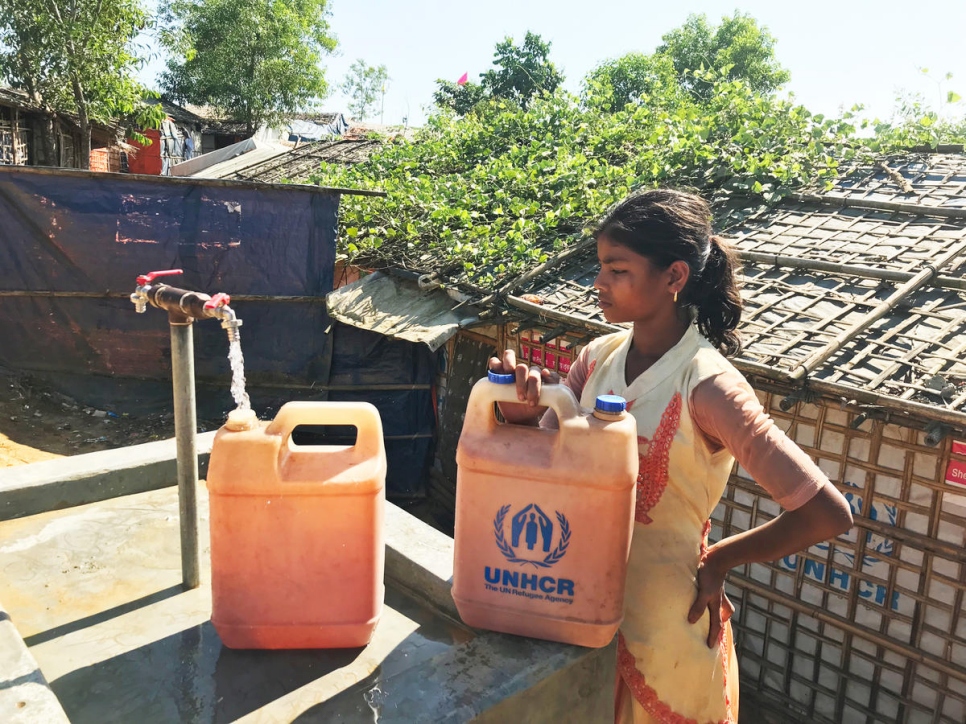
column 311, row 131
column 92, row 235
column 398, row 309
column 207, row 165
column 72, row 244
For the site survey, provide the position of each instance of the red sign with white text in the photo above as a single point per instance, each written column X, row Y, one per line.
column 956, row 470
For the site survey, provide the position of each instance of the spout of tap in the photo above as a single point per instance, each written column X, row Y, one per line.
column 231, row 323
column 217, row 307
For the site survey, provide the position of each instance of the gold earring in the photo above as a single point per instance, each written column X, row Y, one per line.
column 675, row 297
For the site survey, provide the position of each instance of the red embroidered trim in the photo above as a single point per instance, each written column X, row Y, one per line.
column 652, row 474
column 645, row 695
column 704, row 538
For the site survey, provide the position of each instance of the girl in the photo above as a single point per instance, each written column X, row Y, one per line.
column 663, row 271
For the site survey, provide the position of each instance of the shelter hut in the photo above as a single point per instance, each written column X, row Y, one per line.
column 23, row 125
column 855, row 313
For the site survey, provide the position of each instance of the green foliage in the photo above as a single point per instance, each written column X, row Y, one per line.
column 461, row 99
column 365, row 84
column 77, row 57
column 631, row 79
column 520, row 73
column 916, row 124
column 738, row 48
column 255, row 60
column 484, row 197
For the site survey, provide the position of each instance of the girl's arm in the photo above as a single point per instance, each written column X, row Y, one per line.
column 825, row 516
column 727, row 411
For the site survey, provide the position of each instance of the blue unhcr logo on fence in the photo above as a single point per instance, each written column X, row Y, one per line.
column 877, row 549
column 530, row 544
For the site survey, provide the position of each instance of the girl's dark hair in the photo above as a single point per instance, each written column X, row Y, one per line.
column 665, row 226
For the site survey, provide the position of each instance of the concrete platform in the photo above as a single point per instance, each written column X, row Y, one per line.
column 95, row 593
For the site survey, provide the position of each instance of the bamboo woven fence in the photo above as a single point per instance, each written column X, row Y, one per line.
column 870, row 627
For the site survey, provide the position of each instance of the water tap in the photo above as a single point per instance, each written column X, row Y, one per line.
column 183, row 305
column 140, row 296
column 218, row 306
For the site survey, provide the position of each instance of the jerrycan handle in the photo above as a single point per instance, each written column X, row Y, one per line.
column 479, row 411
column 362, row 415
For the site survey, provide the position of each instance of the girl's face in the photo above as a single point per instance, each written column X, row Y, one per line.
column 630, row 287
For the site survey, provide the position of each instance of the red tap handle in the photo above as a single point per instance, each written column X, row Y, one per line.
column 151, row 276
column 219, row 300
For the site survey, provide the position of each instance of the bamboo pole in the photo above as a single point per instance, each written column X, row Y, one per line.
column 188, row 181
column 853, row 270
column 905, row 208
column 866, row 397
column 544, row 313
column 15, row 135
column 920, row 279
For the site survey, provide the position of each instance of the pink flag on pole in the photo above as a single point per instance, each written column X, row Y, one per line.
column 463, row 79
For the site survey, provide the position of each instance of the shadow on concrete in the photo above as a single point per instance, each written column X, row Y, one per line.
column 190, row 677
column 94, row 619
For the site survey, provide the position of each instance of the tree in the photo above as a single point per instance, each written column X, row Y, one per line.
column 76, row 57
column 633, row 78
column 365, row 84
column 522, row 71
column 460, row 98
column 254, row 60
column 737, row 47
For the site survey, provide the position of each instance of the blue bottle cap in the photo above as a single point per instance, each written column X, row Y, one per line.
column 500, row 379
column 610, row 403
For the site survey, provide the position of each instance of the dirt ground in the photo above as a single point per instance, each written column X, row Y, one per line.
column 39, row 424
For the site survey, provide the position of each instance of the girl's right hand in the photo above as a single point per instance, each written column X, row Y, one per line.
column 529, row 382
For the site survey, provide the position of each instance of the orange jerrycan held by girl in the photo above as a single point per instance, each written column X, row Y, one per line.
column 297, row 546
column 544, row 517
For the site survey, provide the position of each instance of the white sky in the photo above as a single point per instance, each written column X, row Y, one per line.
column 838, row 53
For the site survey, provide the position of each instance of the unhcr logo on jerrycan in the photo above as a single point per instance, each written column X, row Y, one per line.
column 543, row 516
column 531, row 543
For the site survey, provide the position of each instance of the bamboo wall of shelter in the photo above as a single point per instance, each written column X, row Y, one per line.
column 870, row 627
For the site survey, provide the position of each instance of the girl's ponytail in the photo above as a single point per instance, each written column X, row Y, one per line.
column 665, row 225
column 714, row 294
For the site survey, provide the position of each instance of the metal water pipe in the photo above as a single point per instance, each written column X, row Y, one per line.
column 183, row 308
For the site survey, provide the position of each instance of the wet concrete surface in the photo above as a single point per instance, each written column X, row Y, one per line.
column 95, row 592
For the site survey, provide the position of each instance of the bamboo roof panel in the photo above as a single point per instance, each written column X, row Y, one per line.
column 878, row 238
column 862, row 287
column 934, row 180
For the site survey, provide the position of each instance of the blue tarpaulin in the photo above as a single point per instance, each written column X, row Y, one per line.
column 72, row 244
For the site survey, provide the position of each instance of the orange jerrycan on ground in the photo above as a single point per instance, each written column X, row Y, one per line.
column 297, row 546
column 544, row 517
